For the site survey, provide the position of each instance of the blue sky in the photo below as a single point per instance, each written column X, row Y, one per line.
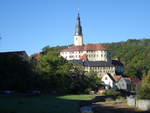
column 32, row 24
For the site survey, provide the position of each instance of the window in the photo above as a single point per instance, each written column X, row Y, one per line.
column 105, row 78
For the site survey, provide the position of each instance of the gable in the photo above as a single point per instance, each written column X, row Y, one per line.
column 108, row 77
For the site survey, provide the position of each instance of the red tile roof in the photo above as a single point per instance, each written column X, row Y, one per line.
column 36, row 56
column 129, row 78
column 134, row 80
column 87, row 47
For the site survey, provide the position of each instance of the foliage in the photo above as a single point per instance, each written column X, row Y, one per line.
column 111, row 92
column 144, row 91
column 16, row 73
column 63, row 76
column 109, row 99
column 146, row 79
column 50, row 73
column 134, row 54
column 53, row 73
column 120, row 98
column 94, row 81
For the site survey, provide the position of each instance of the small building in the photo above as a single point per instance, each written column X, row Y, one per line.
column 110, row 81
column 22, row 54
column 124, row 84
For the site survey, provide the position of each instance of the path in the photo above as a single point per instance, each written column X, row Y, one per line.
column 115, row 108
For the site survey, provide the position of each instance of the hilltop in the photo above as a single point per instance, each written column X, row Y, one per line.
column 133, row 53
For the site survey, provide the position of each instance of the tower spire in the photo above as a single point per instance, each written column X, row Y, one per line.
column 78, row 37
column 78, row 28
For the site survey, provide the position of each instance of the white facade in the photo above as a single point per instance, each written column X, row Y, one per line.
column 91, row 55
column 101, row 71
column 108, row 81
column 78, row 40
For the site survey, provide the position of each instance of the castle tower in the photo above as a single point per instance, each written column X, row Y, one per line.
column 78, row 36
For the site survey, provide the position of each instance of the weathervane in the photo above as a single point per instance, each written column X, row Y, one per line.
column 78, row 11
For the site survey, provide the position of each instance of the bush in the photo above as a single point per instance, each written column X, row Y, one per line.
column 87, row 90
column 111, row 92
column 120, row 98
column 109, row 99
column 144, row 92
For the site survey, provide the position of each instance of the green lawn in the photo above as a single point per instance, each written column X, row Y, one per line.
column 42, row 104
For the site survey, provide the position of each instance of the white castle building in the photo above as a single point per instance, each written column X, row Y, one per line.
column 91, row 56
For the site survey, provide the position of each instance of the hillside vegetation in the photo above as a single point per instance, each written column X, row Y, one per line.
column 135, row 55
column 51, row 73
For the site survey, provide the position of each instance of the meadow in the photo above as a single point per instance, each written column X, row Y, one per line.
column 41, row 104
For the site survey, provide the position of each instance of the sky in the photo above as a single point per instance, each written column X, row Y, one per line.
column 31, row 25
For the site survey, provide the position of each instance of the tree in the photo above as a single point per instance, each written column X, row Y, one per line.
column 63, row 76
column 144, row 91
column 16, row 73
column 134, row 54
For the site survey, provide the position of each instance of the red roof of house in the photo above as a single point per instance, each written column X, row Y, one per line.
column 37, row 56
column 129, row 78
column 134, row 80
column 87, row 47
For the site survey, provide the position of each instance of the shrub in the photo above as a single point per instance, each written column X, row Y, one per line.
column 109, row 99
column 120, row 98
column 87, row 90
column 144, row 92
column 111, row 92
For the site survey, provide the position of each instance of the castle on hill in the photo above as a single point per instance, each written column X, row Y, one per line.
column 95, row 57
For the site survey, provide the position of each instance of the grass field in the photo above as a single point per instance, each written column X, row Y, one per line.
column 41, row 104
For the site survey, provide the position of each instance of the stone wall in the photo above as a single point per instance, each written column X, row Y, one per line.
column 131, row 101
column 141, row 104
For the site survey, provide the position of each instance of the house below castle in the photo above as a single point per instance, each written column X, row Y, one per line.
column 95, row 57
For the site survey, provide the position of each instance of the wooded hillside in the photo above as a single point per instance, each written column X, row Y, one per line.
column 135, row 55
